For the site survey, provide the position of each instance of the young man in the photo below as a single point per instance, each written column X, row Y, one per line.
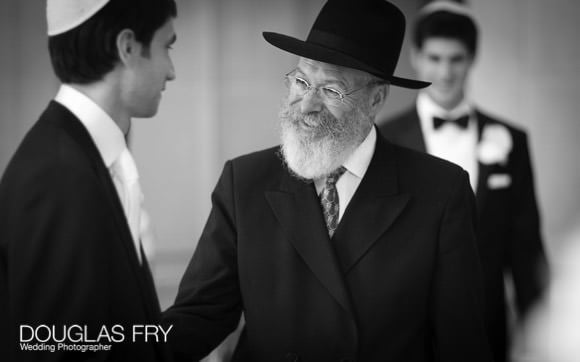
column 72, row 267
column 445, row 123
column 337, row 246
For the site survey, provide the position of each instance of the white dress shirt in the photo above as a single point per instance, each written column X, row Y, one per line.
column 112, row 147
column 356, row 167
column 450, row 142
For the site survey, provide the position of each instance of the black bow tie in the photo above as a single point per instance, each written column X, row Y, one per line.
column 460, row 122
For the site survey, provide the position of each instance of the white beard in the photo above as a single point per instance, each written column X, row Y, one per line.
column 316, row 144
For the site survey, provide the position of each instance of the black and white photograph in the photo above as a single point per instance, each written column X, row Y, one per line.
column 290, row 180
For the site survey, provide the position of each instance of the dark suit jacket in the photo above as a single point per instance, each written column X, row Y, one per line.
column 66, row 253
column 399, row 281
column 508, row 231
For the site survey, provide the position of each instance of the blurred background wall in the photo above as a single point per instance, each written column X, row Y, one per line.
column 225, row 100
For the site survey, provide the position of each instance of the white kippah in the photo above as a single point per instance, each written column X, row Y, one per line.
column 64, row 15
column 449, row 6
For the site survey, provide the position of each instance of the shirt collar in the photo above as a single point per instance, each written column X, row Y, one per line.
column 359, row 160
column 427, row 109
column 107, row 136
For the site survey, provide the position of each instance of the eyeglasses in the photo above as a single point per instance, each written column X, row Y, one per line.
column 331, row 95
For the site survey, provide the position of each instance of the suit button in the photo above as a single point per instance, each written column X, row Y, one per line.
column 292, row 357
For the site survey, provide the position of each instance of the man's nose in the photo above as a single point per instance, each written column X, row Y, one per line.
column 445, row 70
column 171, row 72
column 311, row 102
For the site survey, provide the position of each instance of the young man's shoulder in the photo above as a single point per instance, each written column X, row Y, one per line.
column 399, row 121
column 425, row 167
column 488, row 119
column 48, row 148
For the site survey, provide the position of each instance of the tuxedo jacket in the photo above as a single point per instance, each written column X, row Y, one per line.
column 399, row 280
column 66, row 252
column 508, row 233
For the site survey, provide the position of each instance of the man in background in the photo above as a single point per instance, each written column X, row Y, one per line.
column 72, row 219
column 337, row 245
column 446, row 123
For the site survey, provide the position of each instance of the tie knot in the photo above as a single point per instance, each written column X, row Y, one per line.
column 460, row 122
column 332, row 179
column 125, row 166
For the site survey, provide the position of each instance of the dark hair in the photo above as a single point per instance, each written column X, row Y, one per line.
column 445, row 24
column 85, row 54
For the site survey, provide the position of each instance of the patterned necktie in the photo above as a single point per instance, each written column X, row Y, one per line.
column 329, row 201
column 460, row 122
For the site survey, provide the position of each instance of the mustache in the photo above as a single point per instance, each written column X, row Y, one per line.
column 322, row 122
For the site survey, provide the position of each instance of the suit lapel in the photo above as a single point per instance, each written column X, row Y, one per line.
column 372, row 210
column 78, row 132
column 297, row 208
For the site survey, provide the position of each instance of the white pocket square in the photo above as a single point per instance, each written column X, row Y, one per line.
column 499, row 181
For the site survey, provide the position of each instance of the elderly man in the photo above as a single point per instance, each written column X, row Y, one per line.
column 446, row 123
column 337, row 246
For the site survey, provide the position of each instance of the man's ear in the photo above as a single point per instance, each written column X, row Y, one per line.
column 471, row 59
column 379, row 96
column 127, row 46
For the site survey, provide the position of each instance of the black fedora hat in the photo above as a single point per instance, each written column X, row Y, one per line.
column 360, row 34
